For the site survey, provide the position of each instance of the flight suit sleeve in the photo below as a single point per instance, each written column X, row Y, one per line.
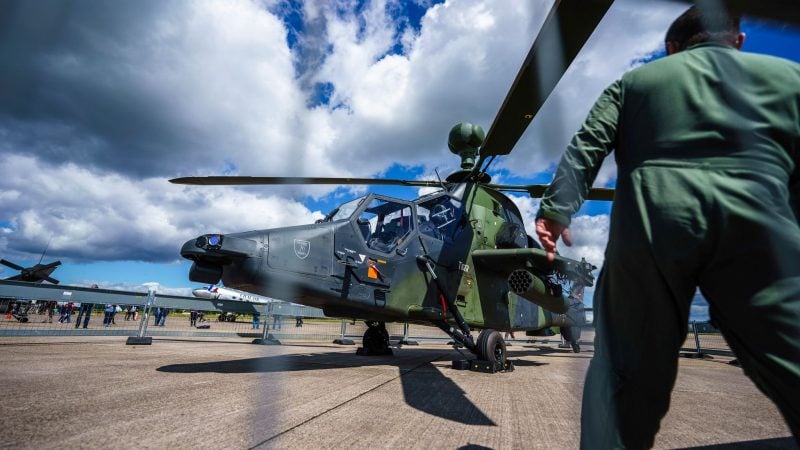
column 794, row 191
column 585, row 154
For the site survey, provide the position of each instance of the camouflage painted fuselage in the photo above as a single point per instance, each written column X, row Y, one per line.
column 330, row 265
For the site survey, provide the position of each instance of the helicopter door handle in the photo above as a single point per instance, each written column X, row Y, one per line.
column 401, row 251
column 427, row 263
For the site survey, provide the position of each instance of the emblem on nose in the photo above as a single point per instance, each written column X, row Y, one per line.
column 302, row 248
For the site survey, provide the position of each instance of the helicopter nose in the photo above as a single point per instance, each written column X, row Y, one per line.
column 210, row 252
column 202, row 247
column 207, row 266
column 219, row 248
column 190, row 251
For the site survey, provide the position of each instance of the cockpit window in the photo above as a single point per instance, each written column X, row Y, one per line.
column 438, row 217
column 345, row 210
column 384, row 224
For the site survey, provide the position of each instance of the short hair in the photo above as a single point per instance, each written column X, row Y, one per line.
column 703, row 24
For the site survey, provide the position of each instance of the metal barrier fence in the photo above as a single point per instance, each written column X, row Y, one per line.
column 42, row 311
column 204, row 323
column 704, row 339
column 160, row 319
column 183, row 323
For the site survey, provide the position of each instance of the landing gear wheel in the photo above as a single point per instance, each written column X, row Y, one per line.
column 572, row 335
column 375, row 340
column 491, row 347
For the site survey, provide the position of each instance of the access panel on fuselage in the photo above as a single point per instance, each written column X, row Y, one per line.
column 305, row 249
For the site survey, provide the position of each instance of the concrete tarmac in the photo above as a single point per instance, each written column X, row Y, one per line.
column 96, row 392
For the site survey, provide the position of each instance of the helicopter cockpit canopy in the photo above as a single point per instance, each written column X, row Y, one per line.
column 345, row 210
column 438, row 215
column 384, row 222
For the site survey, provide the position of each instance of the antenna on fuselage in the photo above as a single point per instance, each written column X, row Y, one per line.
column 45, row 250
column 441, row 183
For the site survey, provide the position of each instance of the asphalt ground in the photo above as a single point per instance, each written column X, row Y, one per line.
column 96, row 392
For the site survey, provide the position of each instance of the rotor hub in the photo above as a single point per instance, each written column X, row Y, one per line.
column 464, row 176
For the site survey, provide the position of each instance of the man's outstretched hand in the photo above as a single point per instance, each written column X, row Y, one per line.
column 549, row 231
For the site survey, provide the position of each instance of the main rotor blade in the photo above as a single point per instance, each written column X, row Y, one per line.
column 52, row 264
column 239, row 180
column 537, row 190
column 10, row 264
column 52, row 280
column 567, row 27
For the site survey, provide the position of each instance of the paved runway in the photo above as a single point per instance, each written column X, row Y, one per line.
column 96, row 392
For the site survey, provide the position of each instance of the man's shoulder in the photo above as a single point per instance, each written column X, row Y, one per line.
column 654, row 69
column 762, row 61
column 767, row 70
column 675, row 65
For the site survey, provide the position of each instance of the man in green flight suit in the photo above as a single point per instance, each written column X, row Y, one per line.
column 707, row 147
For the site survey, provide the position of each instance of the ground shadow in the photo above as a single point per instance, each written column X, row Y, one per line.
column 776, row 443
column 227, row 341
column 536, row 351
column 425, row 388
column 284, row 363
column 428, row 390
column 527, row 363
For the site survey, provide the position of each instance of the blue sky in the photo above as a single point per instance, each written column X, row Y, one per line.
column 103, row 103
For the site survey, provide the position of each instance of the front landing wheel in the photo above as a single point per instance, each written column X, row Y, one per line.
column 375, row 341
column 491, row 347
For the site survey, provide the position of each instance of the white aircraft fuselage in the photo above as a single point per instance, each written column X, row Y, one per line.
column 222, row 293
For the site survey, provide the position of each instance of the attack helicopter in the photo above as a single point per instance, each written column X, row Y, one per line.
column 458, row 259
column 36, row 273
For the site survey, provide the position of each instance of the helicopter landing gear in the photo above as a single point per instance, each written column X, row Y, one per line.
column 572, row 336
column 491, row 347
column 375, row 341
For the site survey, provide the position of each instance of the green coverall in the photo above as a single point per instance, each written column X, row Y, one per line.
column 707, row 148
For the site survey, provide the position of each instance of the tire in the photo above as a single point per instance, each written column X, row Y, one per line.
column 480, row 343
column 376, row 340
column 572, row 335
column 491, row 347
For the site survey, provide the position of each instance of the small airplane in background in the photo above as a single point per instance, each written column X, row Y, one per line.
column 37, row 273
column 213, row 292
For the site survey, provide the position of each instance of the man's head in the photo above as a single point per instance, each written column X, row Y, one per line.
column 703, row 24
